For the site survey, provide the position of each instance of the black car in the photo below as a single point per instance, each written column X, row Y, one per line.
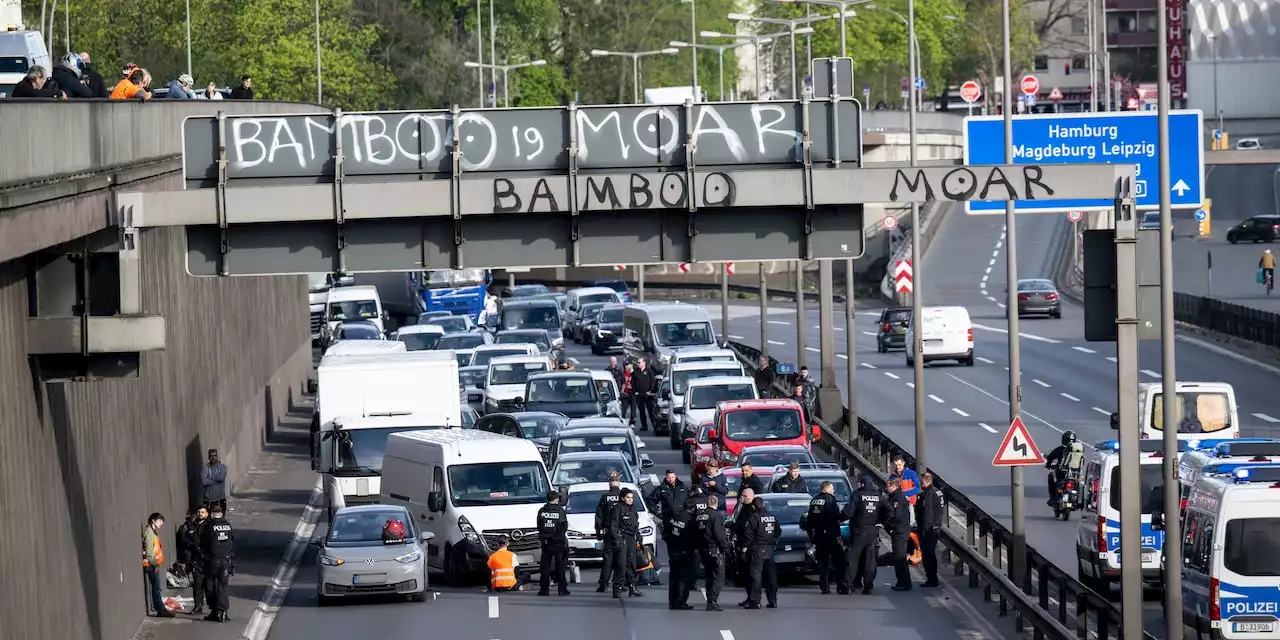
column 893, row 328
column 533, row 314
column 620, row 438
column 606, row 330
column 358, row 330
column 537, row 426
column 1256, row 229
column 791, row 553
column 572, row 393
column 578, row 324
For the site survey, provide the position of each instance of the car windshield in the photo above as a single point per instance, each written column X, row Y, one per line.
column 419, row 341
column 363, row 527
column 353, row 310
column 589, row 310
column 611, row 316
column 483, row 356
column 538, row 339
column 684, row 334
column 527, row 290
column 1151, row 218
column 604, row 389
column 543, row 316
column 622, row 444
column 1152, row 481
column 587, row 501
column 571, row 472
column 769, row 459
column 897, row 315
column 461, row 341
column 514, row 372
column 562, row 390
column 13, row 64
column 596, row 298
column 1035, row 285
column 763, row 424
column 468, row 377
column 469, row 417
column 709, row 396
column 1198, row 412
column 426, row 318
column 787, row 511
column 680, row 379
column 360, row 332
column 497, row 483
column 360, row 451
column 540, row 426
column 452, row 324
column 447, row 278
column 1253, row 547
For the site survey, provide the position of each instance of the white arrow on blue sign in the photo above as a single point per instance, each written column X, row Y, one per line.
column 1201, row 215
column 919, row 83
column 1217, row 134
column 1091, row 138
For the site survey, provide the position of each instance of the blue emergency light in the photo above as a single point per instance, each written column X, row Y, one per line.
column 1257, row 473
column 1252, row 447
column 1145, row 446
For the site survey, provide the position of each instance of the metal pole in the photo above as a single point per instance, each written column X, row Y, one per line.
column 1093, row 58
column 1127, row 403
column 66, row 16
column 640, row 281
column 764, row 313
column 493, row 49
column 799, row 266
column 1106, row 75
column 721, row 94
column 1169, row 379
column 480, row 51
column 1018, row 548
column 319, row 69
column 693, row 51
column 917, row 292
column 511, row 280
column 635, row 79
column 844, row 50
column 850, row 352
column 1216, row 110
column 53, row 35
column 506, row 96
column 188, row 38
column 755, row 49
column 724, row 303
column 794, row 83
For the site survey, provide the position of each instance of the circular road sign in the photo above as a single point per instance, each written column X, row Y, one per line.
column 890, row 223
column 970, row 91
column 1201, row 215
column 1075, row 216
column 1030, row 85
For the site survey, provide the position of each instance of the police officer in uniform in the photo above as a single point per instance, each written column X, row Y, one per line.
column 669, row 497
column 823, row 527
column 676, row 532
column 218, row 552
column 553, row 530
column 604, row 514
column 762, row 533
column 714, row 550
column 864, row 512
column 930, row 510
column 624, row 529
column 897, row 519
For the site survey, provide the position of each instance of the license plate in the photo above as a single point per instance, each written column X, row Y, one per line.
column 595, row 546
column 1148, row 558
column 933, row 342
column 355, row 579
column 1253, row 627
column 786, row 547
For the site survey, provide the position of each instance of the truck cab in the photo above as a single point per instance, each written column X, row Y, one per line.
column 461, row 292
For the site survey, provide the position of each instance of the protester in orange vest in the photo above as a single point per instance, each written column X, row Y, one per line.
column 502, row 568
column 152, row 560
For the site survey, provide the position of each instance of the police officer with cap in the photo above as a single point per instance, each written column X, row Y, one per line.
column 604, row 514
column 553, row 531
column 823, row 526
column 762, row 533
column 897, row 519
column 863, row 513
column 714, row 549
column 217, row 548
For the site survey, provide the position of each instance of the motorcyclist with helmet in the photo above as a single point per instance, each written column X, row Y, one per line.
column 1065, row 461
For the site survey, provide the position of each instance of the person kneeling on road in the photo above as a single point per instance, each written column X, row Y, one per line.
column 624, row 530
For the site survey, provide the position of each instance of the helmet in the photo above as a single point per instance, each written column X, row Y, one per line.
column 1068, row 438
column 70, row 61
column 393, row 531
column 1266, row 251
column 128, row 69
column 186, row 79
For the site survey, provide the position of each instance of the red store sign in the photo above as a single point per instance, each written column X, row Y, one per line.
column 1175, row 12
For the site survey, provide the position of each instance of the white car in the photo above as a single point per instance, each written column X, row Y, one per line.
column 1248, row 144
column 607, row 387
column 703, row 395
column 419, row 337
column 584, row 545
column 506, row 380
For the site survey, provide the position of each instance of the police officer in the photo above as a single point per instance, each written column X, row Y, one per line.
column 930, row 511
column 897, row 519
column 714, row 550
column 669, row 496
column 863, row 513
column 675, row 531
column 762, row 533
column 604, row 514
column 823, row 527
column 553, row 530
column 624, row 529
column 218, row 552
column 791, row 482
column 738, row 535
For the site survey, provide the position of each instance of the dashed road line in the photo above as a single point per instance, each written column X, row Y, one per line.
column 781, row 322
column 726, row 634
column 1025, row 336
column 987, row 427
column 1148, row 372
column 1111, row 359
column 493, row 607
column 985, row 360
column 1070, row 397
column 733, row 337
column 1041, row 383
column 1084, row 349
column 891, row 375
column 1102, row 411
column 960, row 413
column 937, row 399
column 868, row 365
column 1004, row 402
column 813, row 349
column 841, row 355
column 869, row 333
column 1263, row 416
column 777, row 343
column 1001, row 305
column 911, row 385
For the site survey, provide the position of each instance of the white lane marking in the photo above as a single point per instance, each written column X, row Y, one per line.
column 987, row 427
column 985, row 361
column 265, row 614
column 812, row 349
column 726, row 634
column 960, row 413
column 891, row 375
column 1263, row 416
column 1001, row 305
column 937, row 399
column 988, row 271
column 984, row 280
column 782, row 322
column 1084, row 349
column 1111, row 359
column 777, row 343
column 868, row 365
column 911, row 385
column 1000, row 243
column 1041, row 383
column 736, row 338
column 991, row 298
column 841, row 355
column 869, row 333
column 1148, row 372
column 995, row 254
column 1102, row 411
column 1070, row 397
column 493, row 607
column 1025, row 336
column 1005, row 402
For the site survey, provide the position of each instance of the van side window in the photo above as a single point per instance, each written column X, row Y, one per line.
column 1197, row 541
column 646, row 338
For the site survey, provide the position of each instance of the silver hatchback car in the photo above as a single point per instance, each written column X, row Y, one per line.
column 355, row 560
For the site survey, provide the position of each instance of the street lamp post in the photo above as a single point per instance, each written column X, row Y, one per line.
column 843, row 6
column 319, row 69
column 756, row 41
column 635, row 64
column 505, row 69
column 792, row 32
column 693, row 51
column 1213, row 41
column 718, row 48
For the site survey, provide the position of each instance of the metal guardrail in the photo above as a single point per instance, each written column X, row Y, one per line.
column 786, row 294
column 1236, row 321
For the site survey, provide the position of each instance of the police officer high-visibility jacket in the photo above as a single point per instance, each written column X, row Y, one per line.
column 502, row 569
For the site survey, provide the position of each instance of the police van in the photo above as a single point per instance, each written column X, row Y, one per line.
column 1205, row 410
column 1208, row 454
column 1098, row 538
column 1231, row 550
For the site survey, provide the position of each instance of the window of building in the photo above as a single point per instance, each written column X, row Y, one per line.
column 1149, row 21
column 1042, row 63
column 1079, row 25
column 1122, row 22
column 1079, row 63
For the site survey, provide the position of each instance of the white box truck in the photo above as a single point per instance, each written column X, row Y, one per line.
column 363, row 399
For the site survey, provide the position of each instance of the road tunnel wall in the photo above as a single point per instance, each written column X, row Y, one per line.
column 83, row 463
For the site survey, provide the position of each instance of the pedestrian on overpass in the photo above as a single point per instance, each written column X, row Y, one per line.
column 765, row 377
column 931, row 511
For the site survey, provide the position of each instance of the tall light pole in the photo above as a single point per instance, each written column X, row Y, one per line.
column 755, row 40
column 635, row 64
column 480, row 50
column 319, row 69
column 843, row 6
column 792, row 32
column 913, row 53
column 188, row 39
column 1213, row 42
column 718, row 48
column 493, row 49
column 505, row 69
column 693, row 51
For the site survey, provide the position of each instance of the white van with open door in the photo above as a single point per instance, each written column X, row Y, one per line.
column 946, row 334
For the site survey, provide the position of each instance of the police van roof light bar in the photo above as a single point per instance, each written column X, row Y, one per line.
column 1155, row 447
column 1257, row 473
column 1253, row 448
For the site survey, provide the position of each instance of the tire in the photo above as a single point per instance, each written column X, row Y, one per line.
column 1084, row 578
column 1231, row 237
column 911, row 362
column 453, row 573
column 421, row 596
column 323, row 601
column 675, row 441
column 1056, row 314
column 968, row 362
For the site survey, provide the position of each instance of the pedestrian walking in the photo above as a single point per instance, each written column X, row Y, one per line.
column 152, row 563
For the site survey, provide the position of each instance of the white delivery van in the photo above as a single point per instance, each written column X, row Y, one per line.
column 506, row 380
column 1205, row 410
column 703, row 354
column 362, row 400
column 468, row 487
column 355, row 303
column 576, row 299
column 946, row 333
column 657, row 331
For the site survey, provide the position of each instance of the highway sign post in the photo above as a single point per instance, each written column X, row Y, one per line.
column 1017, row 449
column 729, row 268
column 1113, row 138
column 1204, row 216
column 902, row 276
column 1074, row 216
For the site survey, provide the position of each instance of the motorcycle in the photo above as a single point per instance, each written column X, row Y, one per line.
column 1068, row 497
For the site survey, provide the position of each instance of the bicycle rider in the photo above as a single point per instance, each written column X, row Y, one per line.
column 1268, row 265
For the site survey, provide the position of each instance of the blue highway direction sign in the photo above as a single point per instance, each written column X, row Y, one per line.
column 1081, row 138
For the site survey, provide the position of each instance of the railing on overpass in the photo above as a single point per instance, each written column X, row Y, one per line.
column 1233, row 320
column 50, row 140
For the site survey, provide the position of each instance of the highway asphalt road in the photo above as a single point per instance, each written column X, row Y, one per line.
column 1238, row 192
column 473, row 614
column 1067, row 383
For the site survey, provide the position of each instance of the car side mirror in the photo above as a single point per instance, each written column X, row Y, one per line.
column 435, row 501
column 646, row 462
column 428, row 536
column 519, row 402
column 677, row 409
column 816, row 432
column 713, row 435
column 689, row 442
column 316, row 543
column 1115, row 421
column 1157, row 522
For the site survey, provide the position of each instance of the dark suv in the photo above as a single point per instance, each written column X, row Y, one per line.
column 893, row 329
column 1258, row 229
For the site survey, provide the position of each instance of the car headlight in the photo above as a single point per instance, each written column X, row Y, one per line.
column 575, row 535
column 602, row 333
column 646, row 531
column 411, row 557
column 558, row 343
column 330, row 561
column 468, row 531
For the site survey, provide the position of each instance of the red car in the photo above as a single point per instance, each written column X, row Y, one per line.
column 700, row 450
column 744, row 423
column 732, row 484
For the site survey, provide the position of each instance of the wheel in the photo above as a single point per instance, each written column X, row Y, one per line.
column 911, row 362
column 675, row 440
column 1084, row 578
column 1056, row 314
column 968, row 362
column 1231, row 237
column 453, row 571
column 323, row 601
column 421, row 596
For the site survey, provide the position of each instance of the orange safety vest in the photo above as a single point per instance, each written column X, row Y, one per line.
column 124, row 90
column 913, row 546
column 502, row 569
column 157, row 550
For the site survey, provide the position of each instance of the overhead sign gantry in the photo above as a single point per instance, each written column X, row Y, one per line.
column 547, row 187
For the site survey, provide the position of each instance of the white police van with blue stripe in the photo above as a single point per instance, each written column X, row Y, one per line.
column 1231, row 549
column 1203, row 455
